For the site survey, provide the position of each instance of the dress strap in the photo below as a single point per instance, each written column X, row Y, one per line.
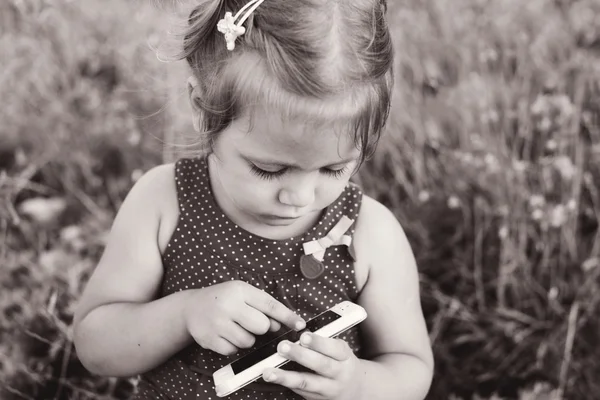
column 187, row 179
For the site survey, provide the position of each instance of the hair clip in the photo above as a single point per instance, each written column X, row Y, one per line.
column 233, row 30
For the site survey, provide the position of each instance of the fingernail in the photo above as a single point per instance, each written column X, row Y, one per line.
column 270, row 377
column 305, row 338
column 300, row 325
column 284, row 347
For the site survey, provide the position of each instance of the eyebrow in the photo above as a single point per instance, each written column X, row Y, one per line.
column 277, row 163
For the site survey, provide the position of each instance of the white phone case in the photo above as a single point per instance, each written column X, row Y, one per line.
column 227, row 381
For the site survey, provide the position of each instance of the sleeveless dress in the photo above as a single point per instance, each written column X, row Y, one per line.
column 208, row 248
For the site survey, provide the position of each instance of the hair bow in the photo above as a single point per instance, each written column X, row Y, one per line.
column 311, row 263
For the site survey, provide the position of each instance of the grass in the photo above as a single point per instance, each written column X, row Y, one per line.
column 491, row 162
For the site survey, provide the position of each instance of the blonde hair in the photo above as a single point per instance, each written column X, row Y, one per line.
column 319, row 60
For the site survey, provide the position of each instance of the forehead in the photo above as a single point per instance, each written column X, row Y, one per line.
column 297, row 141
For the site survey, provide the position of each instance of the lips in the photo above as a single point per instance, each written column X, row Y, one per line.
column 281, row 217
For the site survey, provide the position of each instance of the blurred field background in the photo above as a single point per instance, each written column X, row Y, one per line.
column 491, row 162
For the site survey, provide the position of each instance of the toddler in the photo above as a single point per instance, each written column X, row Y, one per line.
column 208, row 259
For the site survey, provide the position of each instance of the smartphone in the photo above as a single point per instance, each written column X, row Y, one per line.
column 250, row 367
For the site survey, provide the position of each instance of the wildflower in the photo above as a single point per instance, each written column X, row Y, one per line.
column 540, row 105
column 596, row 149
column 590, row 264
column 572, row 205
column 565, row 107
column 70, row 233
column 558, row 216
column 553, row 293
column 552, row 111
column 73, row 235
column 490, row 116
column 551, row 145
column 519, row 166
column 454, row 306
column 537, row 214
column 545, row 124
column 453, row 202
column 476, row 141
column 20, row 157
column 424, row 196
column 43, row 210
column 537, row 201
column 491, row 162
column 566, row 168
column 134, row 138
column 503, row 232
column 434, row 133
column 488, row 56
column 136, row 174
column 468, row 158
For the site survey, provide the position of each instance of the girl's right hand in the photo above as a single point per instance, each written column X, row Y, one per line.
column 227, row 316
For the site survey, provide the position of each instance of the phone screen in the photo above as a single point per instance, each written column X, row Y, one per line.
column 271, row 347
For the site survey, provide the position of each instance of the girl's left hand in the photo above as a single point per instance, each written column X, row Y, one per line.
column 336, row 368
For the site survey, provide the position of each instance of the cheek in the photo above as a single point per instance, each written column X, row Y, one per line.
column 329, row 191
column 258, row 191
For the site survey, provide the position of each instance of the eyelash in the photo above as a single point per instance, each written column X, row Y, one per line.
column 269, row 175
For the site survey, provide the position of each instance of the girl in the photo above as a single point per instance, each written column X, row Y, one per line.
column 206, row 259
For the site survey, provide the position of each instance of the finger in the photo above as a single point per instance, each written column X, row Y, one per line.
column 275, row 326
column 253, row 320
column 222, row 346
column 238, row 336
column 311, row 359
column 334, row 348
column 273, row 308
column 312, row 396
column 311, row 384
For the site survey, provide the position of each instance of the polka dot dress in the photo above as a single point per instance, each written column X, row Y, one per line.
column 207, row 248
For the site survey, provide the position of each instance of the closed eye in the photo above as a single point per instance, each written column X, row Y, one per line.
column 269, row 175
column 335, row 173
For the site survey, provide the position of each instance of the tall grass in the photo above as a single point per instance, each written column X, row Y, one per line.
column 491, row 162
column 81, row 99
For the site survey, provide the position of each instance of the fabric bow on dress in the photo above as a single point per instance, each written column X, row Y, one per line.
column 311, row 263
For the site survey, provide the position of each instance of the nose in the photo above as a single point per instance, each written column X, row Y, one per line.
column 298, row 194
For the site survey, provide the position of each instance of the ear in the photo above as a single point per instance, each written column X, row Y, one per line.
column 193, row 86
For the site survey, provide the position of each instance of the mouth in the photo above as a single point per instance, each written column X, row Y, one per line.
column 280, row 217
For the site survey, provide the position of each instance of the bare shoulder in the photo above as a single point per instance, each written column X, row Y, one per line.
column 375, row 217
column 378, row 233
column 158, row 182
column 146, row 202
column 168, row 204
column 130, row 268
column 158, row 186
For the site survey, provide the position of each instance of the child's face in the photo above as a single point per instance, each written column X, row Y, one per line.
column 280, row 173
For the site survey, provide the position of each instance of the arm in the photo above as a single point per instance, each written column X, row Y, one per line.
column 400, row 361
column 119, row 327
